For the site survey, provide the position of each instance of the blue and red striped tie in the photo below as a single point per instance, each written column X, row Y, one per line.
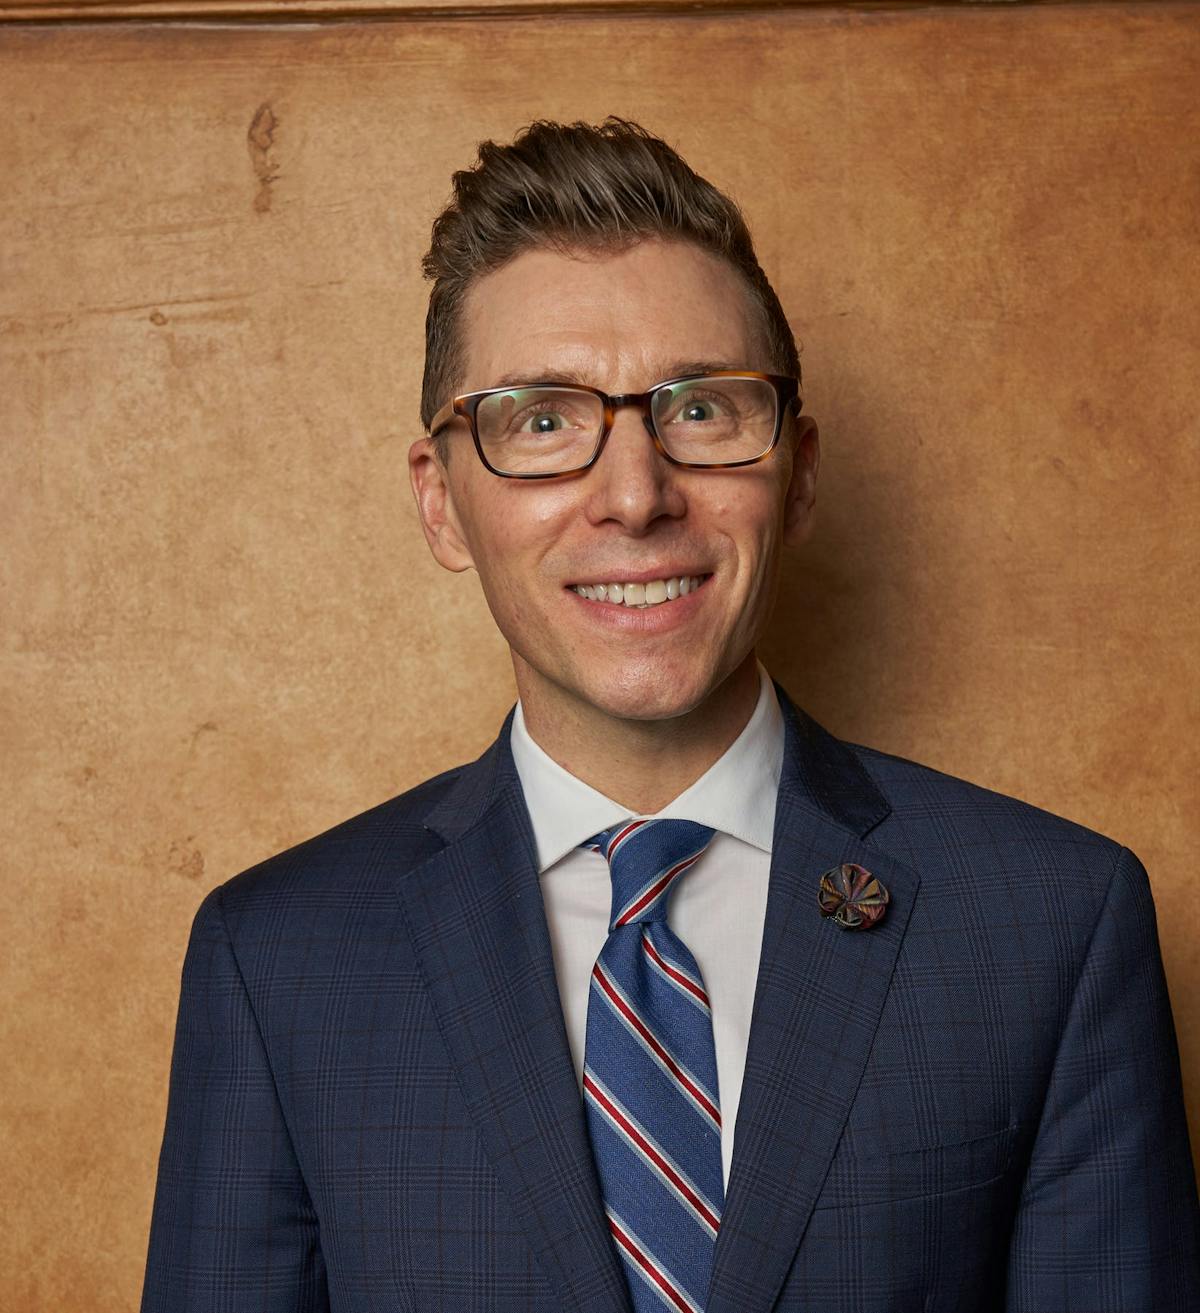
column 650, row 1074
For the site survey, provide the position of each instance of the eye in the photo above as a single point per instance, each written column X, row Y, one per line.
column 698, row 407
column 538, row 418
column 544, row 421
column 543, row 416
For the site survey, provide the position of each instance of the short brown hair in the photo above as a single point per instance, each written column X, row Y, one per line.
column 576, row 186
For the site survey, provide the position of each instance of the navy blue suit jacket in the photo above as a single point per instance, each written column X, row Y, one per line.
column 973, row 1106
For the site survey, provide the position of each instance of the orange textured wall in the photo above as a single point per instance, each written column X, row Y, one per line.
column 222, row 632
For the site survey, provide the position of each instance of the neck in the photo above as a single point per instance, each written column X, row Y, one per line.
column 642, row 764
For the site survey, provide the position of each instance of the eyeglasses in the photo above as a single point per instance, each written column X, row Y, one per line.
column 708, row 421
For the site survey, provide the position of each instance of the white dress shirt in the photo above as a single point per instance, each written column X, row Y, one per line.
column 717, row 908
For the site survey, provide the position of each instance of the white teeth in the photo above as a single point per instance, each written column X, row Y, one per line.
column 641, row 596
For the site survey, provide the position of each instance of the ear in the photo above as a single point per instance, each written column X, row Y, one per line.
column 801, row 496
column 435, row 505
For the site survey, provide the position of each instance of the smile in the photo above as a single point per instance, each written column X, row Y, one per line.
column 652, row 593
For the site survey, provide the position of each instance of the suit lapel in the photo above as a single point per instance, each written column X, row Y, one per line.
column 818, row 998
column 475, row 914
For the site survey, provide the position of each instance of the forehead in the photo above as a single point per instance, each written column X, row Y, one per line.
column 619, row 320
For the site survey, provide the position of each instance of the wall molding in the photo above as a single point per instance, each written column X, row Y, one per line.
column 280, row 11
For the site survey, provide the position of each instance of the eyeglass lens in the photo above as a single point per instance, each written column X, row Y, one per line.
column 702, row 421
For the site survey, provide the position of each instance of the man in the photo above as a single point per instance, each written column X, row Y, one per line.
column 671, row 999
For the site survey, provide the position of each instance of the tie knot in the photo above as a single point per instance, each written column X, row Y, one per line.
column 645, row 858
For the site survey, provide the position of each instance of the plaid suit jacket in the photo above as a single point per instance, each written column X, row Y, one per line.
column 973, row 1106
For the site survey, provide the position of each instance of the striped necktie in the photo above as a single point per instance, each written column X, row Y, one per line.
column 650, row 1074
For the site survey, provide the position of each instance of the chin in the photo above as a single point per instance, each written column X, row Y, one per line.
column 647, row 693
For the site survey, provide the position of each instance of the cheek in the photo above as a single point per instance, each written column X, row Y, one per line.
column 513, row 529
column 749, row 513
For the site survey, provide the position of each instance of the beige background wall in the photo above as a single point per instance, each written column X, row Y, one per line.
column 221, row 631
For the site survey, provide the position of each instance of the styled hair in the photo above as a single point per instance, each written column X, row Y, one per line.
column 576, row 186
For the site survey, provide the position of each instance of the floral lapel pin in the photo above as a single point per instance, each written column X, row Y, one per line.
column 852, row 896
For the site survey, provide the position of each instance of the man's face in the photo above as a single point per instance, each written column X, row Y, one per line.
column 620, row 322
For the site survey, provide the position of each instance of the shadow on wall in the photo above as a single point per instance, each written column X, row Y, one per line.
column 851, row 601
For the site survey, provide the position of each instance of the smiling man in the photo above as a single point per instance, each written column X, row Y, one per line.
column 671, row 1000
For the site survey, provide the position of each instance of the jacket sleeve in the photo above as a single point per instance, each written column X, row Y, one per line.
column 233, row 1227
column 1108, row 1219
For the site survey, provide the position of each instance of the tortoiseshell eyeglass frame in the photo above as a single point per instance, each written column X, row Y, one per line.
column 787, row 397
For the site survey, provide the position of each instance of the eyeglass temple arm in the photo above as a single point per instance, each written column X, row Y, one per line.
column 441, row 419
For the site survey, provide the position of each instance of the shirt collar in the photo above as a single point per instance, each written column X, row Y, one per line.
column 736, row 795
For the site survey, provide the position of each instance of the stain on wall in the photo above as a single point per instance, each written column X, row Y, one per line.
column 222, row 629
column 260, row 139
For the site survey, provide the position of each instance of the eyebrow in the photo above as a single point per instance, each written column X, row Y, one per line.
column 547, row 374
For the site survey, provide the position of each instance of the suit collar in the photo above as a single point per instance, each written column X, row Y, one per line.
column 824, row 775
column 475, row 787
column 820, row 773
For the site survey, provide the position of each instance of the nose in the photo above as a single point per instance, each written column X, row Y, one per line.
column 631, row 483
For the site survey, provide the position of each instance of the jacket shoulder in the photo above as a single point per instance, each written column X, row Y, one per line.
column 372, row 848
column 963, row 824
